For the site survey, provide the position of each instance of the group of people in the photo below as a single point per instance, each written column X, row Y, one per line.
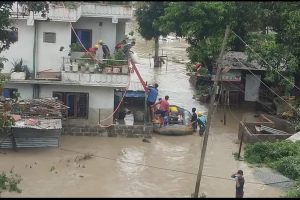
column 159, row 109
column 105, row 49
column 198, row 120
column 123, row 46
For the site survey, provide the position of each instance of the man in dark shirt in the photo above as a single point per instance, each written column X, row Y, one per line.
column 239, row 187
column 105, row 49
column 194, row 119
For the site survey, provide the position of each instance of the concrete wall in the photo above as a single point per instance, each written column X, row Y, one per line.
column 113, row 131
column 23, row 48
column 25, row 90
column 48, row 54
column 120, row 31
column 99, row 98
column 246, row 129
column 106, row 32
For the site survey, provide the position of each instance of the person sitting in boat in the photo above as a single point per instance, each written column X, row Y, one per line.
column 163, row 109
column 201, row 120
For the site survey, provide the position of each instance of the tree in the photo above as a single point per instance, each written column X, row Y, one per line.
column 6, row 23
column 202, row 23
column 6, row 38
column 147, row 15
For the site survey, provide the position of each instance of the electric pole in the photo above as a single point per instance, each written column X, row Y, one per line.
column 210, row 112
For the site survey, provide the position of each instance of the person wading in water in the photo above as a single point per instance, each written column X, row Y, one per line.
column 239, row 187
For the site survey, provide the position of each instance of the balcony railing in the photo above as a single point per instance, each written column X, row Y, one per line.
column 86, row 71
column 60, row 13
column 102, row 10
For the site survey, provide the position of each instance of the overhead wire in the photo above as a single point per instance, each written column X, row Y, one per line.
column 268, row 86
column 248, row 46
column 167, row 169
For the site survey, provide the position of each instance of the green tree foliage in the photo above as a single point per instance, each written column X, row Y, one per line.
column 203, row 25
column 147, row 15
column 277, row 58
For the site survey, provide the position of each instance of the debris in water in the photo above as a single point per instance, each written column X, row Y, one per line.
column 52, row 169
column 145, row 140
column 86, row 156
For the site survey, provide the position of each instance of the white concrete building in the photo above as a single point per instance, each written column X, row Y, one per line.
column 90, row 96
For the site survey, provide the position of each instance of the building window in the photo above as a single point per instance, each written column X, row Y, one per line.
column 10, row 93
column 84, row 35
column 77, row 103
column 49, row 37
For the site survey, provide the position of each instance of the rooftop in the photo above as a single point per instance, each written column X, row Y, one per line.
column 234, row 59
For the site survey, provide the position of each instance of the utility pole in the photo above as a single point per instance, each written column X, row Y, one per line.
column 210, row 112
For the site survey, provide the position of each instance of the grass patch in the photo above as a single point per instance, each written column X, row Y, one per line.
column 283, row 156
column 10, row 182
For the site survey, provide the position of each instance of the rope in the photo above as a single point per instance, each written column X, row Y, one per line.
column 94, row 58
column 139, row 76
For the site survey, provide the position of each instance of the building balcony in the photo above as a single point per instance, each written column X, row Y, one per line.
column 104, row 10
column 84, row 72
column 72, row 14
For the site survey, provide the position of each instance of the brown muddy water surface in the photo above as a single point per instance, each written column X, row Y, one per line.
column 128, row 167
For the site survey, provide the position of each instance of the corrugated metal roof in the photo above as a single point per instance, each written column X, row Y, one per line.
column 233, row 58
column 136, row 86
column 44, row 124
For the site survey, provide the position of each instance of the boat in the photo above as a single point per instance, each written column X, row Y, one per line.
column 177, row 125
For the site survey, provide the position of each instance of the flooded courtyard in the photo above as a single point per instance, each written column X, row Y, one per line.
column 129, row 167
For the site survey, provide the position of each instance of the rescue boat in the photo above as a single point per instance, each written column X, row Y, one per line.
column 177, row 123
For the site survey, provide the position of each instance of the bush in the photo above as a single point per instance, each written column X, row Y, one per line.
column 10, row 182
column 282, row 156
column 294, row 192
column 269, row 152
column 288, row 166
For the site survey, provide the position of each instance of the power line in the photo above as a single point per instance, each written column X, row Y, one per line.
column 167, row 169
column 248, row 46
column 267, row 86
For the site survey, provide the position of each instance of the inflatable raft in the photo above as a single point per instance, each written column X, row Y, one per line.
column 178, row 123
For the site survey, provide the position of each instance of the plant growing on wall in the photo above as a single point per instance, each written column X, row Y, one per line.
column 18, row 66
column 2, row 60
column 76, row 47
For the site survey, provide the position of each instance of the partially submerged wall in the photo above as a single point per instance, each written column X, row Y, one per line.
column 112, row 131
column 250, row 136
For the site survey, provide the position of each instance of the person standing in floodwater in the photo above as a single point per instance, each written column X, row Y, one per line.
column 239, row 187
column 152, row 96
column 194, row 119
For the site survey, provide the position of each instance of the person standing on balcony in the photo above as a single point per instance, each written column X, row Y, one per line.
column 105, row 49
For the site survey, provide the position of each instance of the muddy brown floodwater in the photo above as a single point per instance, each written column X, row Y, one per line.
column 128, row 167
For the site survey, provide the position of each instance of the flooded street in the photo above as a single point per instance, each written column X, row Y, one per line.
column 128, row 167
